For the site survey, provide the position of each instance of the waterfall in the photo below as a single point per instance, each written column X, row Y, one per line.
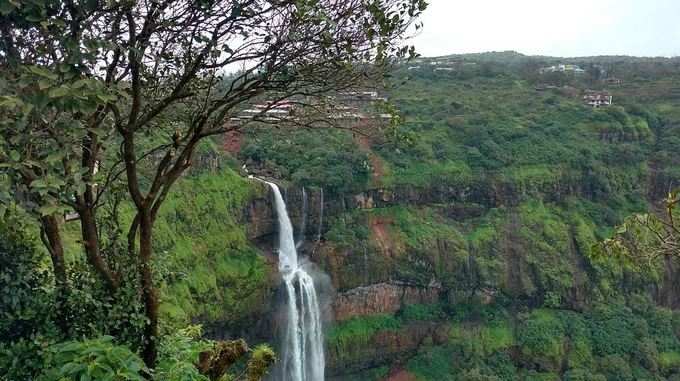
column 318, row 236
column 301, row 355
column 303, row 224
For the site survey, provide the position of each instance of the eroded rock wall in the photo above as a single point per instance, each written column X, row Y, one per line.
column 383, row 274
column 382, row 298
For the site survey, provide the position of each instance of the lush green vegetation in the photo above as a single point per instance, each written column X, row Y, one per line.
column 209, row 272
column 212, row 272
column 502, row 198
column 614, row 341
column 329, row 159
column 496, row 193
column 93, row 128
column 609, row 342
column 357, row 332
column 499, row 131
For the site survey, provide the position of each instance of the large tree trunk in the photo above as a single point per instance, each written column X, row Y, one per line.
column 149, row 295
column 52, row 240
column 88, row 226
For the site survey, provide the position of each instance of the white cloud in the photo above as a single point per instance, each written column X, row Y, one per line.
column 546, row 27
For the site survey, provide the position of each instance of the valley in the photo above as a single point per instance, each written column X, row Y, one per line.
column 453, row 232
column 461, row 246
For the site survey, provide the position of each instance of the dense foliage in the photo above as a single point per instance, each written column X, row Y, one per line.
column 198, row 270
column 611, row 342
column 499, row 197
column 106, row 103
column 496, row 194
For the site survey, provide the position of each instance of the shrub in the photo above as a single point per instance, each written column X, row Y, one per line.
column 416, row 312
column 22, row 359
column 616, row 368
column 476, row 375
column 434, row 363
column 647, row 354
column 96, row 359
column 612, row 330
column 25, row 294
column 583, row 375
column 359, row 330
column 669, row 361
column 541, row 337
column 480, row 340
column 541, row 376
column 178, row 353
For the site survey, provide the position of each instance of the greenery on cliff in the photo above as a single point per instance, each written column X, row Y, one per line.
column 499, row 197
column 495, row 194
column 208, row 270
column 104, row 108
column 212, row 271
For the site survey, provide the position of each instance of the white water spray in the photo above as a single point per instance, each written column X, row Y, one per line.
column 301, row 357
column 303, row 225
column 318, row 236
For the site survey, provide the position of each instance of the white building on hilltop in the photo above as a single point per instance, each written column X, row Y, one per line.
column 598, row 98
column 563, row 68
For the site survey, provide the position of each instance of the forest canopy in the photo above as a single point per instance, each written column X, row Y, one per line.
column 103, row 106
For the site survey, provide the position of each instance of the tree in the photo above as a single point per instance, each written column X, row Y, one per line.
column 24, row 302
column 80, row 77
column 643, row 239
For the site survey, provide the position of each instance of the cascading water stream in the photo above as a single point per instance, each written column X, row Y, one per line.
column 301, row 357
column 318, row 235
column 303, row 225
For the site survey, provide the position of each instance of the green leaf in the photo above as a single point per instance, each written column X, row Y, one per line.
column 71, row 368
column 43, row 72
column 38, row 183
column 106, row 98
column 54, row 157
column 6, row 7
column 44, row 84
column 10, row 102
column 58, row 92
column 47, row 210
column 79, row 83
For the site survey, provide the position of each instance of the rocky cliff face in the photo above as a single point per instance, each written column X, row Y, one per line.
column 388, row 346
column 382, row 298
column 364, row 289
column 461, row 201
column 383, row 274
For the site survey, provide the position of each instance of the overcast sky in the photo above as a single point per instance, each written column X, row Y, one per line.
column 549, row 27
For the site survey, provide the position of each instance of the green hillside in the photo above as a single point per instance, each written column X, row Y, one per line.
column 501, row 181
column 481, row 212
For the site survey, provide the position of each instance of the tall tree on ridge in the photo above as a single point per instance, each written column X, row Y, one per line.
column 80, row 77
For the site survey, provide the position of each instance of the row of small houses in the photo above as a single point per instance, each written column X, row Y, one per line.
column 441, row 66
column 593, row 98
column 351, row 110
column 563, row 68
column 598, row 98
column 568, row 68
column 340, row 106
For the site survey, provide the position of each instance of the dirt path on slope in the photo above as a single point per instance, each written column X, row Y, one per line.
column 380, row 233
